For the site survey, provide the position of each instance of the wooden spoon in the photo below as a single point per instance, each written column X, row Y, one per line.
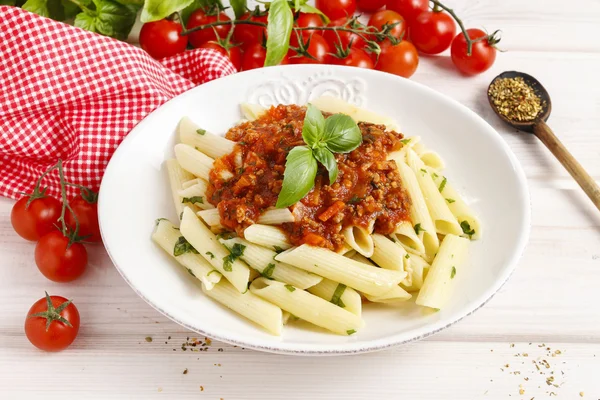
column 545, row 134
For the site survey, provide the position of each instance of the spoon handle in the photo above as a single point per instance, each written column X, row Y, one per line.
column 587, row 183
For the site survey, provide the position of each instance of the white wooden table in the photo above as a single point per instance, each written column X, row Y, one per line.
column 549, row 310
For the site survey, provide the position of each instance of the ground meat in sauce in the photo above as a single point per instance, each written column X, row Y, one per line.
column 367, row 191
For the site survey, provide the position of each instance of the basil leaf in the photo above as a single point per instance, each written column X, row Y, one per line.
column 307, row 8
column 70, row 9
column 155, row 10
column 341, row 135
column 280, row 23
column 326, row 158
column 109, row 19
column 239, row 7
column 8, row 2
column 130, row 2
column 314, row 124
column 299, row 176
column 46, row 8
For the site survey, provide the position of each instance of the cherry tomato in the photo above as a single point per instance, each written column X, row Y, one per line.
column 162, row 38
column 356, row 58
column 254, row 57
column 233, row 53
column 318, row 49
column 306, row 20
column 432, row 32
column 401, row 59
column 370, row 5
column 409, row 9
column 34, row 221
column 247, row 35
column 200, row 17
column 380, row 18
column 343, row 38
column 58, row 261
column 483, row 53
column 87, row 217
column 64, row 323
column 335, row 9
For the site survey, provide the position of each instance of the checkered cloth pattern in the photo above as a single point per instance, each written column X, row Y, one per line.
column 70, row 94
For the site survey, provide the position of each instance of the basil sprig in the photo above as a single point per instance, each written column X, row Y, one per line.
column 279, row 29
column 336, row 134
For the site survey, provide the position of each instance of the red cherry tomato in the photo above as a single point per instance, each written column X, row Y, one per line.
column 483, row 53
column 233, row 53
column 356, row 58
column 87, row 217
column 318, row 49
column 34, row 221
column 409, row 9
column 401, row 59
column 200, row 17
column 247, row 35
column 335, row 9
column 254, row 57
column 432, row 32
column 306, row 20
column 380, row 18
column 343, row 38
column 370, row 5
column 63, row 328
column 162, row 38
column 58, row 261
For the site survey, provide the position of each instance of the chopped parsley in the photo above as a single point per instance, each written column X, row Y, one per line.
column 268, row 271
column 181, row 216
column 392, row 239
column 236, row 252
column 450, row 201
column 211, row 255
column 355, row 200
column 407, row 256
column 278, row 249
column 424, row 171
column 350, row 332
column 418, row 228
column 191, row 272
column 435, row 175
column 160, row 219
column 201, row 132
column 337, row 295
column 405, row 141
column 453, row 273
column 182, row 246
column 443, row 185
column 290, row 288
column 193, row 200
column 466, row 228
column 214, row 270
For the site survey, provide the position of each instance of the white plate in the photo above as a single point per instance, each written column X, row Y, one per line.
column 135, row 193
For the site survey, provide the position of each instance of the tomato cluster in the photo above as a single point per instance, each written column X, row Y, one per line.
column 397, row 31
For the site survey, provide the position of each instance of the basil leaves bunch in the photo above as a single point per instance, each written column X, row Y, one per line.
column 336, row 134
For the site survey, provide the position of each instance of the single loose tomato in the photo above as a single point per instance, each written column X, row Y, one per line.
column 370, row 5
column 59, row 261
column 335, row 9
column 163, row 38
column 317, row 52
column 356, row 58
column 233, row 53
column 201, row 17
column 344, row 39
column 387, row 17
column 34, row 220
column 409, row 9
column 86, row 211
column 483, row 52
column 401, row 59
column 432, row 32
column 52, row 323
column 247, row 34
column 254, row 57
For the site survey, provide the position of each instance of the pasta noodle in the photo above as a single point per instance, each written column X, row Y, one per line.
column 193, row 160
column 196, row 195
column 267, row 236
column 338, row 294
column 177, row 176
column 212, row 145
column 359, row 239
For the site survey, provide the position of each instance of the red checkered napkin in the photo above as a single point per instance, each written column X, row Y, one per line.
column 71, row 94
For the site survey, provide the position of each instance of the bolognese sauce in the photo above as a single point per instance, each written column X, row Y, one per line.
column 366, row 193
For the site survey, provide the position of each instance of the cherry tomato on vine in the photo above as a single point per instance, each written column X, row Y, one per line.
column 36, row 219
column 58, row 261
column 52, row 323
column 162, row 38
column 370, row 5
column 409, row 9
column 317, row 52
column 306, row 20
column 483, row 53
column 343, row 38
column 356, row 58
column 401, row 59
column 233, row 53
column 201, row 17
column 247, row 35
column 432, row 32
column 86, row 211
column 383, row 17
column 254, row 57
column 335, row 9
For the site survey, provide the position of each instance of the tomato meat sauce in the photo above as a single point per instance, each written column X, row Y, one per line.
column 367, row 193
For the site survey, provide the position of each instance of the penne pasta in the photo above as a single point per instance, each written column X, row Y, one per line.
column 334, row 105
column 212, row 145
column 395, row 295
column 248, row 305
column 432, row 160
column 252, row 111
column 193, row 160
column 359, row 239
column 407, row 237
column 263, row 260
column 177, row 177
column 306, row 306
column 267, row 236
column 212, row 218
column 196, row 195
column 389, row 255
column 418, row 266
column 206, row 243
column 276, row 216
column 338, row 294
column 168, row 237
column 190, row 183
